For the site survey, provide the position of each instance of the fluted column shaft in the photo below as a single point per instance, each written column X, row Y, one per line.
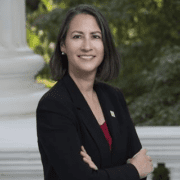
column 19, row 94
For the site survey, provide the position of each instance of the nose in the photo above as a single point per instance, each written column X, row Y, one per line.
column 86, row 44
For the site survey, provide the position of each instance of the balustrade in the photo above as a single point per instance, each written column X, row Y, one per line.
column 21, row 158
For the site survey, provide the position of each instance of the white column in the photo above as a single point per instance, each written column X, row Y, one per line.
column 19, row 93
column 12, row 26
column 19, row 96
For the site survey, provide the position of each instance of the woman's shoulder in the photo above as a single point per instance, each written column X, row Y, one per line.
column 56, row 92
column 56, row 101
column 56, row 95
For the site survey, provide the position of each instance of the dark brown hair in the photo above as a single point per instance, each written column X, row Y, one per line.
column 110, row 66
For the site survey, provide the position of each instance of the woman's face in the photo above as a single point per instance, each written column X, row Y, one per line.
column 83, row 45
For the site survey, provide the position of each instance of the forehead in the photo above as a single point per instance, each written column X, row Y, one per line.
column 84, row 22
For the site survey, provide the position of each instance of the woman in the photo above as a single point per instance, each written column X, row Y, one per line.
column 83, row 126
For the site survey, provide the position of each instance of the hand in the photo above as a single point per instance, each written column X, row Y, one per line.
column 142, row 162
column 87, row 159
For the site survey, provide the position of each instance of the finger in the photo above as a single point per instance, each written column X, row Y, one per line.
column 94, row 167
column 150, row 159
column 83, row 149
column 91, row 164
column 152, row 168
column 87, row 161
column 128, row 161
column 85, row 155
column 144, row 151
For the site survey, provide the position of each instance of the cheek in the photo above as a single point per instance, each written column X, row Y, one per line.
column 71, row 49
column 100, row 47
column 71, row 46
column 101, row 50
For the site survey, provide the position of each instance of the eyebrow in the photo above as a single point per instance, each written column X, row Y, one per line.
column 80, row 32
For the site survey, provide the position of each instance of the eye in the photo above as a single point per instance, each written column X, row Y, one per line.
column 76, row 36
column 96, row 37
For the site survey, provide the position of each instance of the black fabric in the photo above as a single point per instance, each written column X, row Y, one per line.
column 65, row 122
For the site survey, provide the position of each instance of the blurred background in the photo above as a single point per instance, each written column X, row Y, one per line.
column 147, row 36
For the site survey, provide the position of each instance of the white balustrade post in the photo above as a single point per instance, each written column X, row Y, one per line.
column 19, row 95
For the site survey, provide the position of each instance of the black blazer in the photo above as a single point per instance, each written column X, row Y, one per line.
column 65, row 122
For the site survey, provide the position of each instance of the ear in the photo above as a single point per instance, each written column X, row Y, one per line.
column 63, row 47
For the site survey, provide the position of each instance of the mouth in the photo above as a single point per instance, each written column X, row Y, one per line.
column 86, row 57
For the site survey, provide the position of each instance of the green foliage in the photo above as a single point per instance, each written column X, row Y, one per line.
column 161, row 103
column 146, row 34
column 32, row 39
column 161, row 172
column 42, row 29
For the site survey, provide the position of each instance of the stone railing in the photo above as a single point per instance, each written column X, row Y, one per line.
column 163, row 145
column 20, row 158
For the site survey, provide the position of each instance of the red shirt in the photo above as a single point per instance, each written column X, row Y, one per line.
column 106, row 133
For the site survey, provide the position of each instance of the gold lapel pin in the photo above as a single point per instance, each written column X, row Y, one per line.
column 112, row 113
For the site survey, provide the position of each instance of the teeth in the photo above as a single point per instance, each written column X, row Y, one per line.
column 86, row 57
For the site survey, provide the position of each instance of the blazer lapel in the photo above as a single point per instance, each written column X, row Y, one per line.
column 91, row 123
column 115, row 125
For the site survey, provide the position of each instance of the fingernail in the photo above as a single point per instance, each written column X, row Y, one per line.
column 84, row 149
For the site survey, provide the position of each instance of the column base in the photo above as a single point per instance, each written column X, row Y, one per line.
column 19, row 154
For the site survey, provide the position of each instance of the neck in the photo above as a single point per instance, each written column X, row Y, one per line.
column 85, row 84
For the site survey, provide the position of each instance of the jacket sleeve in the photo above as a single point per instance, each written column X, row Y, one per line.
column 60, row 146
column 134, row 143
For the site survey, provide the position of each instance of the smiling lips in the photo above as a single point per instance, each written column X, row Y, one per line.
column 86, row 57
